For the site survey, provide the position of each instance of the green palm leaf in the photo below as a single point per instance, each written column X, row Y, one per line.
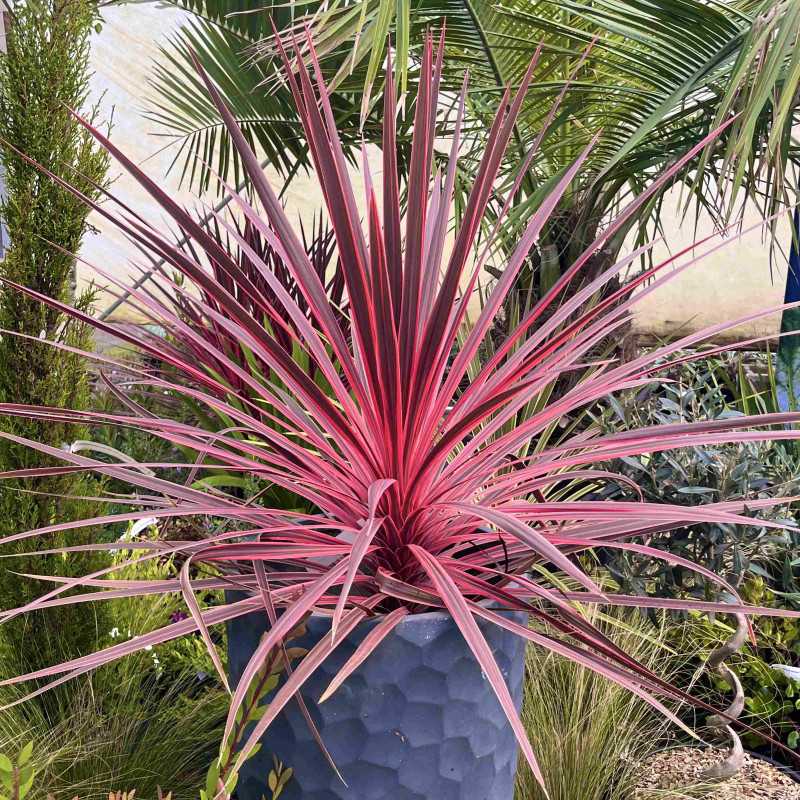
column 223, row 36
column 661, row 75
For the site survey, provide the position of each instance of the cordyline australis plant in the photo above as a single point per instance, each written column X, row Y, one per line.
column 423, row 499
column 320, row 247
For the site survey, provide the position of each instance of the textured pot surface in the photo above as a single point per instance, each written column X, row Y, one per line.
column 416, row 721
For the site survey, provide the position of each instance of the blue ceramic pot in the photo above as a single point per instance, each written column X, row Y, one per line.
column 416, row 721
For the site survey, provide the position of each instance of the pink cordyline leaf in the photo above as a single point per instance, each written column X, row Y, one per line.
column 458, row 607
column 282, row 627
column 197, row 615
column 362, row 541
column 349, row 391
column 371, row 641
column 671, row 603
column 306, row 668
column 174, row 631
column 266, row 595
column 531, row 537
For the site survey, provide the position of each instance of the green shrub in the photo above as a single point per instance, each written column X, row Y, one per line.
column 43, row 74
column 16, row 775
column 701, row 475
column 772, row 700
column 155, row 719
column 762, row 562
column 135, row 616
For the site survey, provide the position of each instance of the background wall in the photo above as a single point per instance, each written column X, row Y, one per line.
column 731, row 283
column 736, row 280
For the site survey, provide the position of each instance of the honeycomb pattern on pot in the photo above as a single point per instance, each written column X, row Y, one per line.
column 416, row 721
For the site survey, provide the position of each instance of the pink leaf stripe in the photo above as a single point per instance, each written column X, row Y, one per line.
column 197, row 615
column 458, row 607
column 371, row 641
column 330, row 370
column 360, row 545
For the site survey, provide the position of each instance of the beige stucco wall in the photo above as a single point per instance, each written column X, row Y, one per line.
column 734, row 281
column 731, row 283
column 122, row 56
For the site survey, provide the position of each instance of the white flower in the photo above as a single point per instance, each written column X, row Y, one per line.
column 113, row 633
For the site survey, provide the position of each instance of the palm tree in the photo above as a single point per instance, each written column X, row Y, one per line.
column 656, row 77
column 224, row 35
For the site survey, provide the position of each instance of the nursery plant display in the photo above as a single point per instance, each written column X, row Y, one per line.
column 431, row 537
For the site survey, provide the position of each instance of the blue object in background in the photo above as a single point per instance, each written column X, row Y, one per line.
column 787, row 369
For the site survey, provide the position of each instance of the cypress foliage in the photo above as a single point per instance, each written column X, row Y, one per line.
column 44, row 72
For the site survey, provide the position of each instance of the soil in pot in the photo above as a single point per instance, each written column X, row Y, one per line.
column 675, row 774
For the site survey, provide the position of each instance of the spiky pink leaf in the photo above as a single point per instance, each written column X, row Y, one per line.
column 457, row 606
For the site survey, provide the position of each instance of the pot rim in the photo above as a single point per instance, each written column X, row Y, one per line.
column 425, row 615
